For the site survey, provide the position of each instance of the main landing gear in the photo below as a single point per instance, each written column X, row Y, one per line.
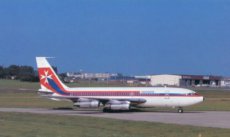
column 180, row 110
column 106, row 110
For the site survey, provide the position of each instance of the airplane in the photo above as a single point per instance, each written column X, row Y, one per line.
column 113, row 98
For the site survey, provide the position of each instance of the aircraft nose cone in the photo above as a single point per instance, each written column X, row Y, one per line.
column 201, row 99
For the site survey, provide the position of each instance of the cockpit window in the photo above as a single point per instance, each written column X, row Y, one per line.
column 193, row 94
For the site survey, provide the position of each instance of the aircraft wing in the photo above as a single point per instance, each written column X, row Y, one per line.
column 103, row 100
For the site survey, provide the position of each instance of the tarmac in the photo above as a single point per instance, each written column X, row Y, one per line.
column 216, row 119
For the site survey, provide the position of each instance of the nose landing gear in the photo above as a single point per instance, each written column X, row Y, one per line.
column 180, row 110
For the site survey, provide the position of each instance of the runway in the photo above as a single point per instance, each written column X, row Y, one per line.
column 217, row 119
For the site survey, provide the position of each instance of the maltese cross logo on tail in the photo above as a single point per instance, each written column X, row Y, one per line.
column 46, row 76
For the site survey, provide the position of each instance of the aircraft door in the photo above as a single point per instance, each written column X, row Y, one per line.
column 167, row 98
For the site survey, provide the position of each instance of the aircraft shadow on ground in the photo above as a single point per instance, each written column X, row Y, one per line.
column 97, row 111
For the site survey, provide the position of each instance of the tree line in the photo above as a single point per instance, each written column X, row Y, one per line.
column 23, row 73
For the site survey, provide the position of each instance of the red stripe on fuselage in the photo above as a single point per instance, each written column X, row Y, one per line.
column 125, row 93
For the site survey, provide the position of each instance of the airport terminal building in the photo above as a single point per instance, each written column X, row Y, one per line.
column 154, row 80
column 186, row 80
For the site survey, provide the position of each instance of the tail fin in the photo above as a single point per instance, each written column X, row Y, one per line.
column 49, row 80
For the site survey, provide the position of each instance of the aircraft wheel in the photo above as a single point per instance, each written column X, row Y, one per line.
column 106, row 110
column 180, row 110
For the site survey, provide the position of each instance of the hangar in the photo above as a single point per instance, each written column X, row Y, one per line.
column 200, row 80
column 165, row 80
column 225, row 82
column 186, row 80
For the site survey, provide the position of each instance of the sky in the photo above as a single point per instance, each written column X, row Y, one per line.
column 134, row 37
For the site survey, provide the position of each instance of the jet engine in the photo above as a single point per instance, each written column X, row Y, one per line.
column 85, row 103
column 117, row 105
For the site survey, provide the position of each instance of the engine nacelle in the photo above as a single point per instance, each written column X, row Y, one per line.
column 87, row 104
column 118, row 105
